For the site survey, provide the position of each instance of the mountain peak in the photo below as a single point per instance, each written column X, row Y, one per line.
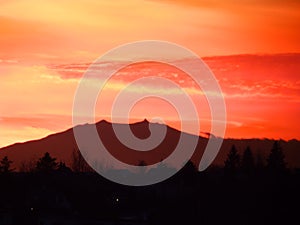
column 65, row 144
column 102, row 122
column 145, row 121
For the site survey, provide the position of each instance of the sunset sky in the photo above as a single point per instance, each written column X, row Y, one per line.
column 252, row 46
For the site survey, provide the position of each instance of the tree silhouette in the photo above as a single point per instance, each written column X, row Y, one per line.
column 5, row 165
column 78, row 162
column 247, row 163
column 63, row 168
column 141, row 166
column 46, row 163
column 275, row 160
column 232, row 163
column 189, row 168
column 260, row 163
column 28, row 166
column 189, row 173
column 141, row 163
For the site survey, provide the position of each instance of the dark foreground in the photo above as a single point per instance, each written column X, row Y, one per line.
column 189, row 197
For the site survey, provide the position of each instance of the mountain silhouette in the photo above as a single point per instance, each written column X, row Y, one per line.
column 62, row 145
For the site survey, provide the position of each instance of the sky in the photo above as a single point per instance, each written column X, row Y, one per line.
column 252, row 47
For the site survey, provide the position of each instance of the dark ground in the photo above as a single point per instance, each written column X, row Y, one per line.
column 189, row 197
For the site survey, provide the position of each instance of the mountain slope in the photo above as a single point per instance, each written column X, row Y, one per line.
column 61, row 145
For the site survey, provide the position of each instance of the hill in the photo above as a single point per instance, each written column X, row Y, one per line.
column 62, row 145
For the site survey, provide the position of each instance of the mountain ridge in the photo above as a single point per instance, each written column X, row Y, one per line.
column 62, row 144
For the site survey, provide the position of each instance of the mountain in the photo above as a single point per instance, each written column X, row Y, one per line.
column 62, row 145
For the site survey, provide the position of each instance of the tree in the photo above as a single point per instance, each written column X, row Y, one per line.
column 63, row 168
column 28, row 166
column 275, row 160
column 247, row 164
column 232, row 163
column 260, row 163
column 78, row 163
column 189, row 168
column 141, row 166
column 46, row 163
column 189, row 173
column 5, row 165
column 142, row 163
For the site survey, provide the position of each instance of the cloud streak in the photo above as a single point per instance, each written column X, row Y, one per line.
column 46, row 48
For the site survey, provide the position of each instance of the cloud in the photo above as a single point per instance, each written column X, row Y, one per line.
column 34, row 89
column 259, row 90
column 69, row 31
column 244, row 76
column 21, row 134
column 40, row 121
column 8, row 61
column 232, row 3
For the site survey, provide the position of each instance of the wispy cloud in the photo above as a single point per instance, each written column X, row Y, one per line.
column 260, row 91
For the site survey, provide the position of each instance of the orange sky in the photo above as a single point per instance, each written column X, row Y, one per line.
column 45, row 46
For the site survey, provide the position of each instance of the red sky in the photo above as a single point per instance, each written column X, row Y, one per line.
column 45, row 47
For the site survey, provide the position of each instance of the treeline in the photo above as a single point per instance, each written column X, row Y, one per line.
column 246, row 163
column 245, row 190
column 47, row 163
